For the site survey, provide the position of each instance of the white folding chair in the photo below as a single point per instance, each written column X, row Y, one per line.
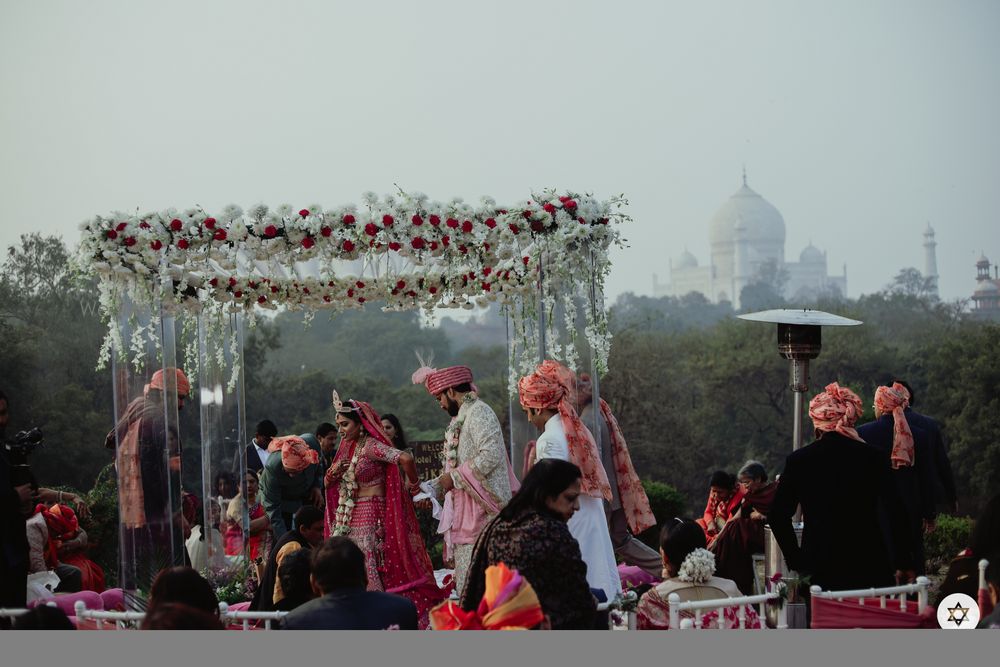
column 269, row 617
column 120, row 618
column 883, row 594
column 698, row 607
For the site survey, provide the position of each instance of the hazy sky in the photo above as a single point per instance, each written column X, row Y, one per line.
column 859, row 120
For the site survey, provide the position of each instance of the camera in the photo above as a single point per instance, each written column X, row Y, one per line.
column 20, row 449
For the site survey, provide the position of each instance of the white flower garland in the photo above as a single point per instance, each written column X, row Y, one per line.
column 454, row 432
column 698, row 567
column 348, row 486
column 417, row 253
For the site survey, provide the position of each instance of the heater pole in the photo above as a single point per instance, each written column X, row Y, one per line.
column 799, row 384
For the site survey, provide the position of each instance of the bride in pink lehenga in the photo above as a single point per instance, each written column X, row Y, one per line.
column 366, row 501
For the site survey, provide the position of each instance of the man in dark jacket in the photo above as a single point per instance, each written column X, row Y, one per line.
column 338, row 575
column 256, row 454
column 912, row 467
column 944, row 481
column 839, row 481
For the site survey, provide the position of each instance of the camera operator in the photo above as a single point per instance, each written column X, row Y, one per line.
column 16, row 505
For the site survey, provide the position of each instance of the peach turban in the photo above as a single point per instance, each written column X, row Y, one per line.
column 157, row 382
column 296, row 454
column 894, row 400
column 836, row 409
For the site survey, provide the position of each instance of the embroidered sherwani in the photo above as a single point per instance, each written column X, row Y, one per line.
column 483, row 481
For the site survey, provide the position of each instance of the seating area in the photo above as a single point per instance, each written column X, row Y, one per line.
column 873, row 607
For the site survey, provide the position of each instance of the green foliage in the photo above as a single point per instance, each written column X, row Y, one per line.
column 102, row 524
column 950, row 536
column 666, row 502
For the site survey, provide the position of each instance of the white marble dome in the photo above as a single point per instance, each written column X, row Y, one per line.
column 685, row 261
column 811, row 255
column 762, row 221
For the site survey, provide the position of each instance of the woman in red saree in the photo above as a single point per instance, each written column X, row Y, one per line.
column 724, row 498
column 68, row 545
column 366, row 501
column 260, row 525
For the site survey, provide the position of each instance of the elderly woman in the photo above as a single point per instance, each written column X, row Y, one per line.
column 743, row 534
column 531, row 535
column 839, row 481
column 260, row 525
column 689, row 571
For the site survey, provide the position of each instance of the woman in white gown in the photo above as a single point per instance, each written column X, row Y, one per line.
column 547, row 398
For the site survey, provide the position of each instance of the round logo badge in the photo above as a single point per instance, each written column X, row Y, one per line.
column 957, row 612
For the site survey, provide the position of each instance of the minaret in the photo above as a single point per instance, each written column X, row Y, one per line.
column 930, row 258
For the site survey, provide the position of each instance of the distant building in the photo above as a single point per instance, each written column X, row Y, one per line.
column 745, row 234
column 986, row 298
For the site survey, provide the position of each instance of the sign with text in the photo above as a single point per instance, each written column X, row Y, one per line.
column 429, row 458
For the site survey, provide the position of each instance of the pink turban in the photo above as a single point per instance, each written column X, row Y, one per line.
column 836, row 409
column 183, row 384
column 894, row 400
column 438, row 381
column 296, row 455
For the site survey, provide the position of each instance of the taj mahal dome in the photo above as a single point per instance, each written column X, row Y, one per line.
column 745, row 234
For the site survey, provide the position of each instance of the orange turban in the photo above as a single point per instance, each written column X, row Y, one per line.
column 894, row 400
column 509, row 603
column 836, row 409
column 296, row 454
column 183, row 384
column 553, row 386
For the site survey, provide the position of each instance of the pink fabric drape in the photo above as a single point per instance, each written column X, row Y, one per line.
column 894, row 400
column 836, row 409
column 834, row 614
column 637, row 510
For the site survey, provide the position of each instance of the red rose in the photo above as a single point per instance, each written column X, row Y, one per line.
column 462, row 249
column 304, row 213
column 446, row 240
column 121, row 226
column 549, row 208
column 183, row 244
column 210, row 223
column 156, row 245
column 467, row 226
column 326, row 298
column 394, row 246
column 348, row 219
column 487, row 271
column 350, row 293
column 502, row 212
column 326, row 231
column 491, row 223
column 361, row 299
column 432, row 289
column 232, row 282
column 487, row 286
column 214, row 282
column 176, row 225
column 564, row 199
column 452, row 222
column 526, row 260
column 348, row 245
column 143, row 225
column 417, row 220
column 387, row 220
column 130, row 241
column 411, row 294
column 371, row 229
column 434, row 245
column 238, row 294
column 274, row 289
column 527, row 215
column 308, row 242
column 270, row 231
column 418, row 243
column 112, row 234
column 514, row 228
column 537, row 226
column 603, row 221
column 569, row 205
column 400, row 284
column 360, row 284
column 219, row 235
column 435, row 220
column 582, row 221
column 305, row 290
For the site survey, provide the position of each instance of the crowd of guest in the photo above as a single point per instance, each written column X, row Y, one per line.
column 328, row 521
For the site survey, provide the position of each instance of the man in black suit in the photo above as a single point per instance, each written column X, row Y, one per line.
column 944, row 481
column 256, row 453
column 338, row 575
column 839, row 481
column 912, row 472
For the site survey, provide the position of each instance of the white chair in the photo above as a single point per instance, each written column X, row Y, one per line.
column 228, row 616
column 883, row 594
column 120, row 618
column 698, row 607
column 626, row 599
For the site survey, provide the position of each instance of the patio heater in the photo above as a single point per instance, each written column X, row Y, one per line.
column 799, row 340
